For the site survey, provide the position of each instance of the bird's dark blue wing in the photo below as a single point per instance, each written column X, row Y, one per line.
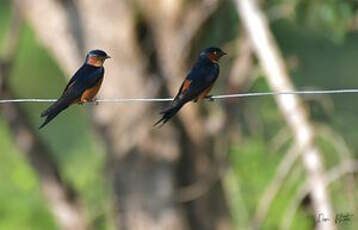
column 75, row 77
column 197, row 80
column 86, row 77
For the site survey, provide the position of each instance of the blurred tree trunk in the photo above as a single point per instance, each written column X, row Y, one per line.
column 143, row 161
column 173, row 25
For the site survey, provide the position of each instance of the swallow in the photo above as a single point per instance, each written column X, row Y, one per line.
column 198, row 82
column 82, row 87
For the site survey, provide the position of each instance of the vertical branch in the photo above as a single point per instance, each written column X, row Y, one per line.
column 290, row 105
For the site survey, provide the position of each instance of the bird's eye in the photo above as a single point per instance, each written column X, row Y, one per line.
column 215, row 52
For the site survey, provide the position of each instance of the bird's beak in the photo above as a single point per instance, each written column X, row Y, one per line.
column 223, row 53
column 108, row 57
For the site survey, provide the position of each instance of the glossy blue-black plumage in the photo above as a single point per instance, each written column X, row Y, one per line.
column 203, row 74
column 99, row 53
column 85, row 78
column 213, row 50
column 200, row 78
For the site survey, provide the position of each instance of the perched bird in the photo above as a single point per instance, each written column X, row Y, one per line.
column 197, row 83
column 82, row 87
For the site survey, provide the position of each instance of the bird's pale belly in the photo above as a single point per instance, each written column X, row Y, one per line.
column 205, row 93
column 89, row 94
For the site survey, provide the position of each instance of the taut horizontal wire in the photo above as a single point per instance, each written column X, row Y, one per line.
column 225, row 96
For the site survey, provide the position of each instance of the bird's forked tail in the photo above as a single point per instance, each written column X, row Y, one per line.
column 54, row 110
column 168, row 113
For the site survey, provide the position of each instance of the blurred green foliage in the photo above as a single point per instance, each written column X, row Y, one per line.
column 21, row 203
column 334, row 18
column 319, row 42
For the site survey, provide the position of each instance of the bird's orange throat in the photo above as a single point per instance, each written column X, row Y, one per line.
column 213, row 58
column 95, row 61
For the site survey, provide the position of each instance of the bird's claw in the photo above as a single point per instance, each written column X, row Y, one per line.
column 210, row 98
column 86, row 101
column 94, row 101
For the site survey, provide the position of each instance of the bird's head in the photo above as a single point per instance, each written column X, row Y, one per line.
column 96, row 57
column 213, row 54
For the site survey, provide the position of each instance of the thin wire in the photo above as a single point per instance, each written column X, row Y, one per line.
column 225, row 96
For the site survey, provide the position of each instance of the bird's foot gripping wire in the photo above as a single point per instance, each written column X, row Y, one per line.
column 95, row 101
column 210, row 98
column 85, row 101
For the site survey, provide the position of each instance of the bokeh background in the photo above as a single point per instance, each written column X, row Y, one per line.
column 228, row 164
